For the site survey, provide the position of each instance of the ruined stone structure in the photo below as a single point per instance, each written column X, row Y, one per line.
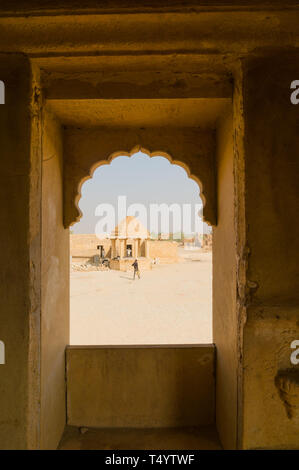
column 207, row 85
column 129, row 240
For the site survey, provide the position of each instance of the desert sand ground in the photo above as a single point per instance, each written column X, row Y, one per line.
column 171, row 304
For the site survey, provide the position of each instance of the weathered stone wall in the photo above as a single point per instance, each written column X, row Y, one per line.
column 85, row 245
column 140, row 386
column 272, row 289
column 166, row 251
column 55, row 287
column 224, row 289
column 20, row 234
column 84, row 241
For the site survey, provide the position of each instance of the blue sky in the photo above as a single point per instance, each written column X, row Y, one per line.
column 141, row 179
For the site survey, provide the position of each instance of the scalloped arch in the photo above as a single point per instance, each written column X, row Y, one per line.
column 88, row 149
column 123, row 153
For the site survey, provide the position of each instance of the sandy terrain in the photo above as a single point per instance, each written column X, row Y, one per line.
column 169, row 304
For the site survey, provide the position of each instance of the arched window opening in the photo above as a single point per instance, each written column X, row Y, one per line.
column 141, row 267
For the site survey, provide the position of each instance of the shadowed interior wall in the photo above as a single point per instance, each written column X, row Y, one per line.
column 224, row 290
column 55, row 288
column 20, row 256
column 271, row 381
column 141, row 386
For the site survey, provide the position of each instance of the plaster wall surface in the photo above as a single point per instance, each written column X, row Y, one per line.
column 239, row 31
column 20, row 247
column 108, row 79
column 271, row 406
column 272, row 288
column 272, row 168
column 140, row 386
column 55, row 288
column 224, row 288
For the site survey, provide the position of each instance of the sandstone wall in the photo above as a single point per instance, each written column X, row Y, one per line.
column 224, row 289
column 140, row 386
column 165, row 250
column 85, row 245
column 20, row 234
column 55, row 288
column 271, row 295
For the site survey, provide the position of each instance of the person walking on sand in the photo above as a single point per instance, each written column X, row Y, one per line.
column 136, row 269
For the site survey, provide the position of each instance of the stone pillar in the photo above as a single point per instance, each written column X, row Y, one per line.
column 146, row 248
column 113, row 248
column 136, row 247
column 121, row 248
column 20, row 237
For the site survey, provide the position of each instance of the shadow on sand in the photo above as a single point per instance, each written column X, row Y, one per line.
column 130, row 278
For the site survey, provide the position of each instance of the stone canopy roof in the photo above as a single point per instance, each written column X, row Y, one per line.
column 131, row 228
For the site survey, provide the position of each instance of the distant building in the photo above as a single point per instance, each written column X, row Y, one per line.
column 129, row 240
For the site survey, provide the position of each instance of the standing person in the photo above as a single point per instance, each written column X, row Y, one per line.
column 136, row 269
